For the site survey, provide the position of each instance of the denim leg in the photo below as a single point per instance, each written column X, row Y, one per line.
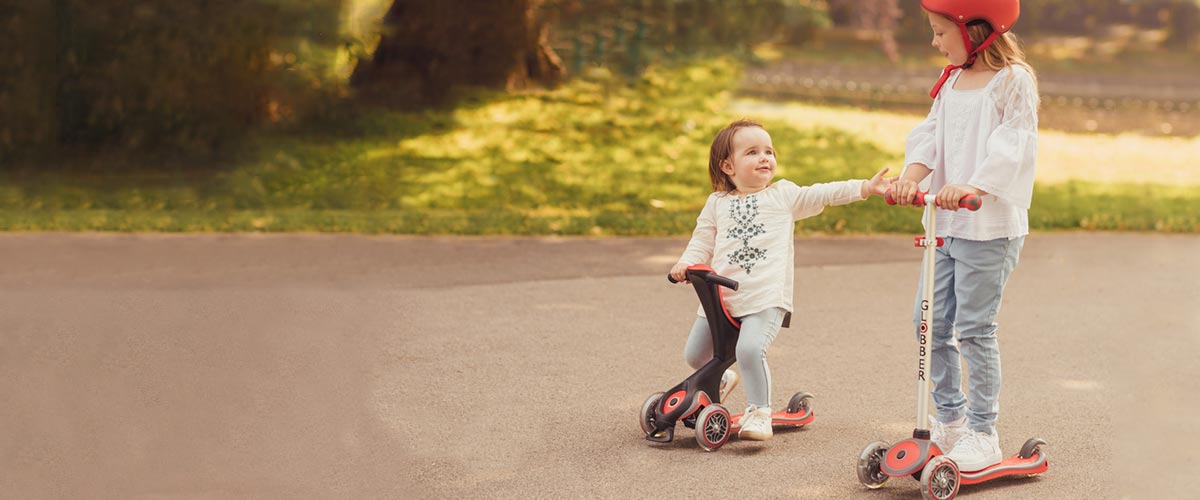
column 945, row 370
column 981, row 270
column 699, row 348
column 758, row 332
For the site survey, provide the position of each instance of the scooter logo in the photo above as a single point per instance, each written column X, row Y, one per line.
column 922, row 339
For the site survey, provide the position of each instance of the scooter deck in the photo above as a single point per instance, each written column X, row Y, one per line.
column 778, row 419
column 1011, row 466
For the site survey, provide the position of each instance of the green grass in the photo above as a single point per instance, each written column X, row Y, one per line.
column 598, row 156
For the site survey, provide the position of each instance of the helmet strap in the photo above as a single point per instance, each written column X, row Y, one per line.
column 974, row 53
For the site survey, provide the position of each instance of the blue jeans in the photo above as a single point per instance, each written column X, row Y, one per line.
column 757, row 334
column 969, row 280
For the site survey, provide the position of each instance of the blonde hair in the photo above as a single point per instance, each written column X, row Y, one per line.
column 721, row 150
column 1005, row 50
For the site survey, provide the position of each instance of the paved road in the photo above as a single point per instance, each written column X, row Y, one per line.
column 321, row 366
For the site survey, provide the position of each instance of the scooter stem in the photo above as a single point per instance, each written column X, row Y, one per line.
column 923, row 333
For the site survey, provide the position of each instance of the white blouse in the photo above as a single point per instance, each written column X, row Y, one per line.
column 750, row 239
column 986, row 138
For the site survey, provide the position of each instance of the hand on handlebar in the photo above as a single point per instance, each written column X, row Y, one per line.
column 679, row 272
column 902, row 192
column 950, row 195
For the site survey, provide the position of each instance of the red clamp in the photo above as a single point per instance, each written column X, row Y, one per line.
column 920, row 241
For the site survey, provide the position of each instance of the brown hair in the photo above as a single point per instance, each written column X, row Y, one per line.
column 721, row 150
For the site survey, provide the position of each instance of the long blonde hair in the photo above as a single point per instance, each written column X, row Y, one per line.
column 1005, row 50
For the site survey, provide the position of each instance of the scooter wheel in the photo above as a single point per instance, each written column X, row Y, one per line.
column 1031, row 447
column 648, row 409
column 799, row 402
column 712, row 427
column 940, row 479
column 870, row 463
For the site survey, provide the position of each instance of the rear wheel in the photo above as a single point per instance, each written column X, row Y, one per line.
column 712, row 427
column 870, row 463
column 648, row 411
column 939, row 479
column 1031, row 447
column 799, row 403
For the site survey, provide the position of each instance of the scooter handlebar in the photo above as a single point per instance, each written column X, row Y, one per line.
column 969, row 202
column 714, row 278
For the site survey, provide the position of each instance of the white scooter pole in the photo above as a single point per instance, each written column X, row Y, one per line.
column 930, row 242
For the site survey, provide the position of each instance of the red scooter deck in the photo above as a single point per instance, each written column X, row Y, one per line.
column 780, row 418
column 1011, row 466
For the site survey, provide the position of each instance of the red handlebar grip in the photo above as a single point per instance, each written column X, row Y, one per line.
column 969, row 202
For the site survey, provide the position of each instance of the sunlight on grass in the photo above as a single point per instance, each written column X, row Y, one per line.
column 1062, row 156
column 601, row 155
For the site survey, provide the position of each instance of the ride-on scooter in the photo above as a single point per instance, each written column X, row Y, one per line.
column 697, row 400
column 919, row 457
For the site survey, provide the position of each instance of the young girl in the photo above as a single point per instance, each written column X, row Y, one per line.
column 745, row 232
column 980, row 138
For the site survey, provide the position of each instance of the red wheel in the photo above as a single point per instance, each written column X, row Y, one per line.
column 647, row 415
column 712, row 427
column 940, row 479
column 870, row 462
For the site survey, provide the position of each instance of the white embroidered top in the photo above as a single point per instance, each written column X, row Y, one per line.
column 750, row 239
column 986, row 138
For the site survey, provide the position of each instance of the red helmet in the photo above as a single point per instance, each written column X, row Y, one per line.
column 1001, row 14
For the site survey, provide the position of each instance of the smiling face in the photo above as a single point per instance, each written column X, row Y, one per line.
column 751, row 165
column 947, row 39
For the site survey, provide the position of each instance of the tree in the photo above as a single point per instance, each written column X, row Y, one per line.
column 880, row 16
column 427, row 48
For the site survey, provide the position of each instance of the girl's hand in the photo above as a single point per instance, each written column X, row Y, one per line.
column 678, row 272
column 877, row 185
column 903, row 192
column 950, row 194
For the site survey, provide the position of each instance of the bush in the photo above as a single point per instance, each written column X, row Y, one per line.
column 159, row 75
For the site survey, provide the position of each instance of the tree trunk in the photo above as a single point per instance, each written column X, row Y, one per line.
column 882, row 16
column 430, row 47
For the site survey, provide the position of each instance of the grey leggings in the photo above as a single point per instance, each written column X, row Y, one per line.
column 758, row 331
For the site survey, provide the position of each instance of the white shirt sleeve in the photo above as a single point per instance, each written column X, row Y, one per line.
column 704, row 237
column 808, row 201
column 1011, row 152
column 921, row 145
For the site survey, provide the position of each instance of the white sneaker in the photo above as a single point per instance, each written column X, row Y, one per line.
column 728, row 381
column 756, row 424
column 976, row 451
column 947, row 434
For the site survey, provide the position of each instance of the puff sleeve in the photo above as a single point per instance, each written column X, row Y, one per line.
column 921, row 145
column 1010, row 157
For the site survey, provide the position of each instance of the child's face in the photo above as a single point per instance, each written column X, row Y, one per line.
column 751, row 166
column 947, row 39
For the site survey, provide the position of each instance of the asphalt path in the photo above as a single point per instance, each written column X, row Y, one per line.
column 333, row 366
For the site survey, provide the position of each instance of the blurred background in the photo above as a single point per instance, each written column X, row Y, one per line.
column 587, row 117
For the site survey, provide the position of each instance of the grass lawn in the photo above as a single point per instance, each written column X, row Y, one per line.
column 598, row 156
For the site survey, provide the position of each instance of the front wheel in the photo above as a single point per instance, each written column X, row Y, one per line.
column 939, row 479
column 712, row 427
column 870, row 462
column 648, row 410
